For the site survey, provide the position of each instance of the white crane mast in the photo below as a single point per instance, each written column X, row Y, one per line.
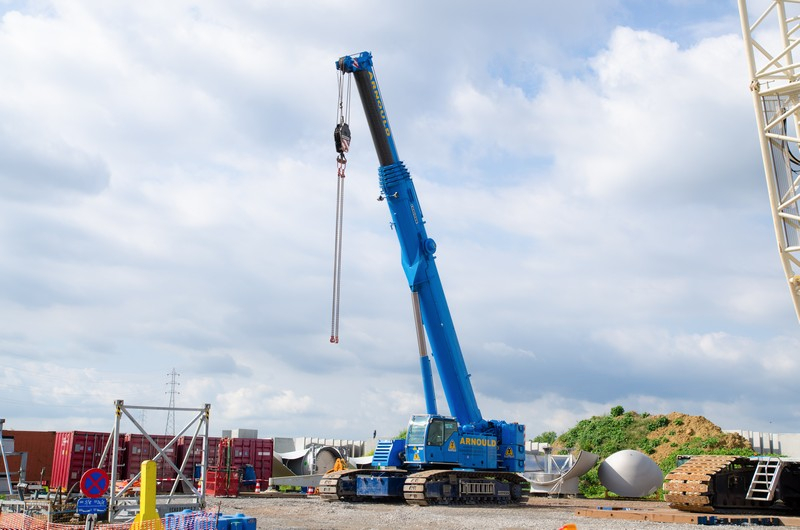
column 770, row 41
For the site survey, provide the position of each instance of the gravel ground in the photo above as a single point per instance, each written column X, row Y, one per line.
column 310, row 512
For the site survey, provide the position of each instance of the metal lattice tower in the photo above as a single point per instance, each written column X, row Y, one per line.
column 173, row 384
column 770, row 41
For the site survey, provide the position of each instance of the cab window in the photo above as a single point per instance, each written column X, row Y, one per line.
column 436, row 433
column 416, row 432
column 450, row 427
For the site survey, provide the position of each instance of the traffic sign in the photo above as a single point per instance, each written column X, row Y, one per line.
column 87, row 506
column 94, row 483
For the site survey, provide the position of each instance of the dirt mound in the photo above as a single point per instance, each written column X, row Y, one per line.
column 683, row 428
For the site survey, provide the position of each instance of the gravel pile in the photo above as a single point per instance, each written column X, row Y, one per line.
column 300, row 512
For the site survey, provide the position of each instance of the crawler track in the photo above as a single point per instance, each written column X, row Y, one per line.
column 710, row 483
column 329, row 485
column 432, row 487
column 464, row 487
column 689, row 487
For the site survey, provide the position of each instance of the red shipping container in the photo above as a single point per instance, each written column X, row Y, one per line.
column 223, row 482
column 255, row 452
column 195, row 454
column 38, row 445
column 76, row 452
column 138, row 449
column 263, row 459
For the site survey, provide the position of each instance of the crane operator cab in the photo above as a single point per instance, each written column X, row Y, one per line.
column 434, row 439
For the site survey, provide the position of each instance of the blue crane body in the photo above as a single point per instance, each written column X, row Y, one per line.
column 461, row 458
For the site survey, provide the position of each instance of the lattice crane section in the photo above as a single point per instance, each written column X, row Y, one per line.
column 770, row 41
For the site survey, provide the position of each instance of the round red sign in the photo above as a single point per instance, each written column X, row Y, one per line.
column 94, row 483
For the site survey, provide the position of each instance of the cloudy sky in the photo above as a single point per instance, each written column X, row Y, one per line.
column 589, row 170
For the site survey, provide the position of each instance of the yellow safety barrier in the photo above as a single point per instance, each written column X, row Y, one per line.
column 147, row 499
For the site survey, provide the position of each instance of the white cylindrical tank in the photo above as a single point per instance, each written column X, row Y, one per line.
column 630, row 473
column 311, row 460
column 325, row 459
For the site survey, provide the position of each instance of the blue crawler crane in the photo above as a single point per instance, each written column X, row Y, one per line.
column 458, row 459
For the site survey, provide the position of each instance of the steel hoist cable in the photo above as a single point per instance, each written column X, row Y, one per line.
column 341, row 137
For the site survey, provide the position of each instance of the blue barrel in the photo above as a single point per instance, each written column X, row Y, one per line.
column 236, row 522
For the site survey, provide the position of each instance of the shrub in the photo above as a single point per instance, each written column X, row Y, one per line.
column 547, row 437
column 661, row 421
column 620, row 430
column 589, row 485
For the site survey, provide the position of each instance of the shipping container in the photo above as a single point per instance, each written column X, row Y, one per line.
column 222, row 482
column 194, row 457
column 255, row 452
column 38, row 447
column 195, row 454
column 138, row 449
column 76, row 452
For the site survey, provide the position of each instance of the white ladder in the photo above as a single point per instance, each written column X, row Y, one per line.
column 765, row 479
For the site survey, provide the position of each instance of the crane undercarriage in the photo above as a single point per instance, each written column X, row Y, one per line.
column 712, row 483
column 424, row 488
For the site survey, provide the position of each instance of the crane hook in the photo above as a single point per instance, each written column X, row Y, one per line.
column 341, row 137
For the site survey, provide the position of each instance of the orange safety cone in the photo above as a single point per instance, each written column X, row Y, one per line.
column 569, row 526
column 258, row 486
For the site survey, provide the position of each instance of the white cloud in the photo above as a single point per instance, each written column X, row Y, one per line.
column 168, row 199
column 261, row 401
column 658, row 348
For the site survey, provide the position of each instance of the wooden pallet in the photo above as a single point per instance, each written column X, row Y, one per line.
column 680, row 517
